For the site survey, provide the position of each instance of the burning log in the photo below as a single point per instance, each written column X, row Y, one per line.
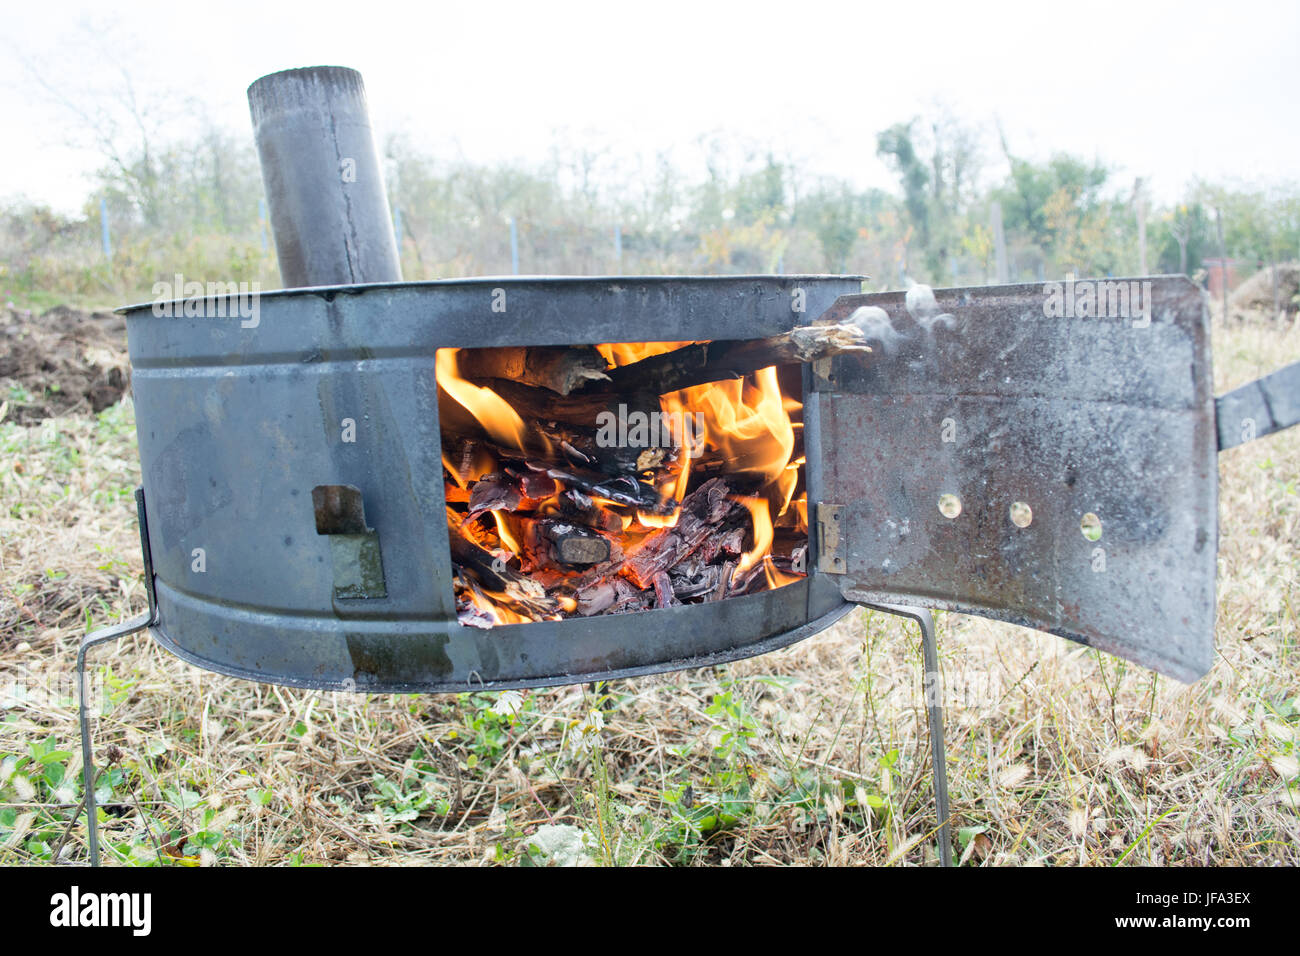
column 496, row 575
column 559, row 369
column 580, row 408
column 532, row 484
column 704, row 362
column 471, row 612
column 556, row 544
column 581, row 503
column 702, row 511
column 699, row 582
column 663, row 587
column 723, row 588
column 583, row 447
column 495, row 492
column 729, row 544
column 520, row 489
column 610, row 595
column 564, row 443
column 622, row 489
column 580, row 508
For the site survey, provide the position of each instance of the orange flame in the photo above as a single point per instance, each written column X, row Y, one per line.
column 625, row 353
column 508, row 540
column 762, row 519
column 776, row 578
column 498, row 606
column 747, row 423
column 493, row 412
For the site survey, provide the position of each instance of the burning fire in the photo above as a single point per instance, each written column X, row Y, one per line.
column 493, row 412
column 545, row 528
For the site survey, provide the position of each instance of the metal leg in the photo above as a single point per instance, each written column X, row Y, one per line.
column 137, row 623
column 131, row 626
column 934, row 709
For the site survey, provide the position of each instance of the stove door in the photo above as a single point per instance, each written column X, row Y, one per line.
column 1041, row 454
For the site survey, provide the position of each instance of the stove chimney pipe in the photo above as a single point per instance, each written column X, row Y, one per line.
column 324, row 184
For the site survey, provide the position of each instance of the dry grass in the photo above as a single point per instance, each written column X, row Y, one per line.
column 1056, row 754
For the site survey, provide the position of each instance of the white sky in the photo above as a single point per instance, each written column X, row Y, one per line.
column 1162, row 90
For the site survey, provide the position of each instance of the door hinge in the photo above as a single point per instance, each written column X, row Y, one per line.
column 830, row 538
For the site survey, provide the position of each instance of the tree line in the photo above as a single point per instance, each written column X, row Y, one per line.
column 195, row 206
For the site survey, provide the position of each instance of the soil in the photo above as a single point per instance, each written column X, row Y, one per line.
column 64, row 362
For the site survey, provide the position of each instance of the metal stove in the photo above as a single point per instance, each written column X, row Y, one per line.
column 997, row 454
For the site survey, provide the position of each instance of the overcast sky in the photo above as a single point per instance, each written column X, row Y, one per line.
column 1167, row 91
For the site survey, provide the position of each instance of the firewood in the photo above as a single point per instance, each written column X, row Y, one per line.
column 729, row 544
column 583, row 447
column 596, row 598
column 468, row 611
column 794, row 563
column 627, row 598
column 495, row 574
column 701, row 513
column 575, row 544
column 578, row 507
column 559, row 369
column 493, row 492
column 663, row 588
column 743, row 582
column 698, row 582
column 533, row 484
column 704, row 362
column 623, row 489
column 723, row 588
column 579, row 408
column 555, row 544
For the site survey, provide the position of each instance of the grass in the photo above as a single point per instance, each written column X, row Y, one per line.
column 815, row 754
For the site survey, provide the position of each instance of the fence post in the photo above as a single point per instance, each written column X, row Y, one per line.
column 999, row 242
column 1223, row 259
column 103, row 229
column 1140, row 201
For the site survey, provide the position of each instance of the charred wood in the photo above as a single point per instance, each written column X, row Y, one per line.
column 559, row 369
column 701, row 512
column 704, row 362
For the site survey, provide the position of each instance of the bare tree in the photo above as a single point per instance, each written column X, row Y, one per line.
column 106, row 109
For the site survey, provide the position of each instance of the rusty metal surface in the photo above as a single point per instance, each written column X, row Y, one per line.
column 1022, row 395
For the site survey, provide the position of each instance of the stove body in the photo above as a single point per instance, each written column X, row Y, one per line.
column 293, row 481
column 238, row 425
column 239, row 421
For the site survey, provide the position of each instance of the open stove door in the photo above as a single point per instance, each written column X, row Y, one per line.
column 1041, row 454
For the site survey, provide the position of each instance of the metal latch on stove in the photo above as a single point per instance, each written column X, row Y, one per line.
column 354, row 547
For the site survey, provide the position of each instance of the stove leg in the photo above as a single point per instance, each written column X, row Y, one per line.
column 137, row 623
column 934, row 709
